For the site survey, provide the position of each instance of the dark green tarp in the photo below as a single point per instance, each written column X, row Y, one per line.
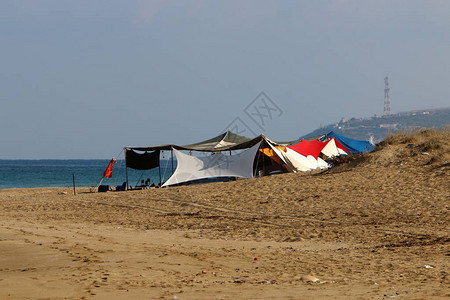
column 223, row 142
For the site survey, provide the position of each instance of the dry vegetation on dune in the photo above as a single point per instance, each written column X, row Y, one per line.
column 424, row 147
column 435, row 143
column 374, row 226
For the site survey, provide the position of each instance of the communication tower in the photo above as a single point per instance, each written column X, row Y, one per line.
column 387, row 98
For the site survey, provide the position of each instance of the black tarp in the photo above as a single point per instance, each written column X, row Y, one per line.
column 144, row 161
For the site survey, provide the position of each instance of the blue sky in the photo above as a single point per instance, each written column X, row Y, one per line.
column 82, row 79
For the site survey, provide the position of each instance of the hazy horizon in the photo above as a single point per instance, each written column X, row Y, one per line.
column 83, row 79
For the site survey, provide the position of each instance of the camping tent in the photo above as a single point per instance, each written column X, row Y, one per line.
column 334, row 148
column 352, row 145
column 306, row 148
column 298, row 161
column 216, row 165
column 307, row 154
column 257, row 156
column 223, row 163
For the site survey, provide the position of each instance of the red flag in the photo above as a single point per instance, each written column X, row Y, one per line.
column 109, row 169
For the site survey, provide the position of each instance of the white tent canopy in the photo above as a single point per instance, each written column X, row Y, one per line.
column 331, row 149
column 321, row 164
column 216, row 165
column 298, row 161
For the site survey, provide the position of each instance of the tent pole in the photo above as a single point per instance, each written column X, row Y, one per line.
column 263, row 163
column 257, row 161
column 126, row 172
column 126, row 168
column 263, row 158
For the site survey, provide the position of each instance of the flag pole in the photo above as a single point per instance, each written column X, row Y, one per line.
column 100, row 182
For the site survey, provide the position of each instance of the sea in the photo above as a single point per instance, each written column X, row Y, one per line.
column 82, row 172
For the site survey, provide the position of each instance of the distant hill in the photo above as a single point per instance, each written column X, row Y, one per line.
column 378, row 128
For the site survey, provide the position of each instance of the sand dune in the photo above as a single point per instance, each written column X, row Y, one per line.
column 376, row 227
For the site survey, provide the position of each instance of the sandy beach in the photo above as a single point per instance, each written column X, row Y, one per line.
column 373, row 228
